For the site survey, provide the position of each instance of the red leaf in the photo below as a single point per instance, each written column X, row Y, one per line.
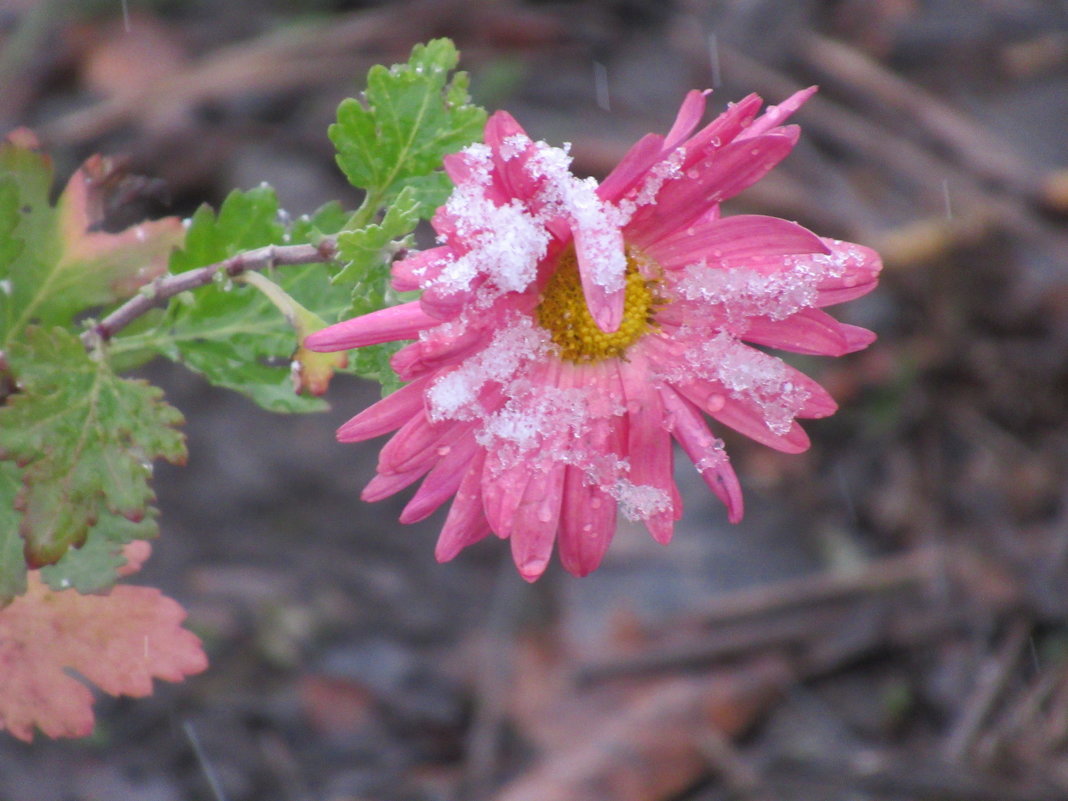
column 119, row 642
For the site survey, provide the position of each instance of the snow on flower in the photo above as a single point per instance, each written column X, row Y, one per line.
column 567, row 331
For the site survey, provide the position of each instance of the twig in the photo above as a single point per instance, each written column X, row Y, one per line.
column 164, row 288
column 202, row 760
column 993, row 676
column 741, row 778
column 495, row 674
column 889, row 573
column 870, row 83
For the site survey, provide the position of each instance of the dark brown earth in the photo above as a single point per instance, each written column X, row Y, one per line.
column 889, row 620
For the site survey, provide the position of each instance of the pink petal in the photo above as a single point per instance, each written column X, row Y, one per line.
column 746, row 420
column 649, row 446
column 443, row 480
column 857, row 338
column 743, row 240
column 743, row 417
column 596, row 246
column 385, row 325
column 465, row 523
column 722, row 130
column 862, row 267
column 690, row 113
column 502, row 492
column 387, row 415
column 637, row 161
column 436, row 352
column 819, row 402
column 417, row 444
column 587, row 524
column 705, row 451
column 536, row 519
column 606, row 308
column 776, row 115
column 411, row 273
column 510, row 175
column 726, row 173
column 808, row 331
column 382, row 486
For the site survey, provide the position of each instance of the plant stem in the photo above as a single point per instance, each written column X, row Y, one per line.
column 166, row 287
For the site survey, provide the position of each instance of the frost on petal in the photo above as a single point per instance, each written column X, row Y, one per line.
column 597, row 236
column 455, row 394
column 705, row 451
column 748, row 376
column 120, row 642
column 717, row 177
column 493, row 236
column 648, row 493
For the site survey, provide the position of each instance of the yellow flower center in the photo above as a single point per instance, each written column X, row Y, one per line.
column 564, row 314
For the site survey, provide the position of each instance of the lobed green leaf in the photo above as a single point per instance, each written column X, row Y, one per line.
column 412, row 117
column 85, row 440
column 54, row 263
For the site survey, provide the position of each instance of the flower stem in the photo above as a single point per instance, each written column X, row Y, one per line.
column 166, row 287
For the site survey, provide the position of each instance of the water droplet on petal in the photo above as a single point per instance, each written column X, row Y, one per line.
column 715, row 402
column 545, row 514
column 444, row 450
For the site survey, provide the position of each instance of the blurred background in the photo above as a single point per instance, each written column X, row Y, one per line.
column 889, row 620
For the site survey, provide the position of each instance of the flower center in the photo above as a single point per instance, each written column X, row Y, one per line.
column 564, row 314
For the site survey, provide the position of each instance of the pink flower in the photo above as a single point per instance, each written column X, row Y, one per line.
column 567, row 331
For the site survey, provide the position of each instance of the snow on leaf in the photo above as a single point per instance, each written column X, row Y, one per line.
column 119, row 642
column 85, row 439
column 413, row 116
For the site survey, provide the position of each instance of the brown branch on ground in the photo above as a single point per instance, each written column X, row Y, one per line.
column 646, row 729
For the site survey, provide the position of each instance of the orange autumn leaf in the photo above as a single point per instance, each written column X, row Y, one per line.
column 108, row 266
column 119, row 642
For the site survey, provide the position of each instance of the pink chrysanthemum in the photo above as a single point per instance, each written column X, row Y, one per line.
column 566, row 331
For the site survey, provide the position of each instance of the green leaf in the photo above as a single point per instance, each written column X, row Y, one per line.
column 12, row 563
column 229, row 332
column 412, row 117
column 245, row 221
column 54, row 262
column 367, row 254
column 93, row 566
column 327, row 219
column 10, row 245
column 86, row 440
